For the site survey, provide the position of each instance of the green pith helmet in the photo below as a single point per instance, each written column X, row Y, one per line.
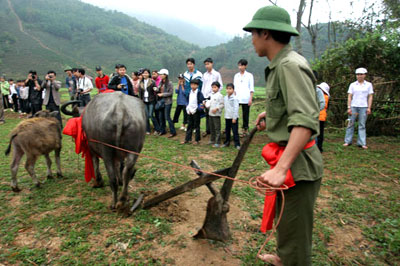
column 67, row 68
column 272, row 18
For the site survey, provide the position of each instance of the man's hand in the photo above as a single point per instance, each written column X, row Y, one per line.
column 368, row 111
column 250, row 102
column 274, row 177
column 119, row 86
column 159, row 94
column 260, row 122
column 349, row 111
column 233, row 121
column 214, row 110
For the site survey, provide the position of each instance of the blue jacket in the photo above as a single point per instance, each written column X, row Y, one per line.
column 188, row 77
column 181, row 100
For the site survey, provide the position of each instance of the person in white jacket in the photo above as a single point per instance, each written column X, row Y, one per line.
column 215, row 106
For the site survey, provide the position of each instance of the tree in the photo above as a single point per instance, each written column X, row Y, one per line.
column 300, row 12
column 312, row 30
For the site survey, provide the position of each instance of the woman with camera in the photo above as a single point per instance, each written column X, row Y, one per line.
column 35, row 91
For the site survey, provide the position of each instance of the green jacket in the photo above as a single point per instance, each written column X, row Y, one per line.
column 291, row 101
column 4, row 86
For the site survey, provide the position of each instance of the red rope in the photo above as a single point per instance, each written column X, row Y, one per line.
column 254, row 182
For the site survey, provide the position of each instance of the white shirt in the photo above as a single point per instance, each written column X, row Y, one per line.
column 12, row 89
column 191, row 108
column 146, row 93
column 85, row 85
column 208, row 79
column 360, row 92
column 244, row 85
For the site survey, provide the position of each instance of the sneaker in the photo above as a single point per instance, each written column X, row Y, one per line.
column 216, row 145
column 172, row 135
column 346, row 144
column 237, row 147
column 156, row 133
column 225, row 145
column 183, row 128
column 2, row 122
column 210, row 142
column 147, row 133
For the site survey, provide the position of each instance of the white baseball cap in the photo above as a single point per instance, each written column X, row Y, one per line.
column 163, row 71
column 361, row 70
column 324, row 87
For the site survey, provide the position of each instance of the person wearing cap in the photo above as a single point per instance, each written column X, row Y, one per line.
column 209, row 77
column 324, row 89
column 291, row 119
column 70, row 82
column 122, row 82
column 359, row 102
column 101, row 80
column 181, row 102
column 165, row 92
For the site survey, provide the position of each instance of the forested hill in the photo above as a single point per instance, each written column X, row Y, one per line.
column 51, row 34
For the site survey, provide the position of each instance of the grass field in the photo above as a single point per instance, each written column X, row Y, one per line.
column 67, row 222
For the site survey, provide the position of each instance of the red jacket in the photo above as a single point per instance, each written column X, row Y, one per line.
column 102, row 83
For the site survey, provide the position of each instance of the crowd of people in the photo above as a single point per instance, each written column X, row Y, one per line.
column 198, row 95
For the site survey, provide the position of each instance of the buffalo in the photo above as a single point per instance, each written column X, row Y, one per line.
column 119, row 120
column 34, row 137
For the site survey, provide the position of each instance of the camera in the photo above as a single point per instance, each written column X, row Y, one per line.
column 123, row 86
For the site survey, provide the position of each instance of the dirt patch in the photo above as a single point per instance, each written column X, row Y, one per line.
column 348, row 242
column 190, row 210
column 15, row 200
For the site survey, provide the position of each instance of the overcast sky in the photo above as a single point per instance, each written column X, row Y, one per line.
column 230, row 16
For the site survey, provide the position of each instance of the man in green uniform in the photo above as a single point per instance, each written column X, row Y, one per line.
column 291, row 120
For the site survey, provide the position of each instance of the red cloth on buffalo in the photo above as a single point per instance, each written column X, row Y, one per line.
column 272, row 152
column 74, row 128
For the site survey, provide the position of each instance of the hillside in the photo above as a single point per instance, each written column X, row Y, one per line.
column 50, row 34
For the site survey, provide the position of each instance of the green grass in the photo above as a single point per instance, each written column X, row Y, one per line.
column 68, row 222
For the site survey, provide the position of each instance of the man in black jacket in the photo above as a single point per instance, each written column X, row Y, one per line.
column 121, row 82
column 35, row 91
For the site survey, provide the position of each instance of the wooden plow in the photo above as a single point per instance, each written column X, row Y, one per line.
column 216, row 223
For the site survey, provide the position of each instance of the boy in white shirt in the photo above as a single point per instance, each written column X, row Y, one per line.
column 244, row 88
column 210, row 76
column 193, row 110
column 215, row 106
column 231, row 105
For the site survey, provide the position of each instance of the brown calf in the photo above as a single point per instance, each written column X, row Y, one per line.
column 34, row 137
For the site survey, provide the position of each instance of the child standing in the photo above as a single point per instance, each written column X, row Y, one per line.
column 193, row 110
column 215, row 106
column 13, row 95
column 23, row 97
column 181, row 102
column 231, row 116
